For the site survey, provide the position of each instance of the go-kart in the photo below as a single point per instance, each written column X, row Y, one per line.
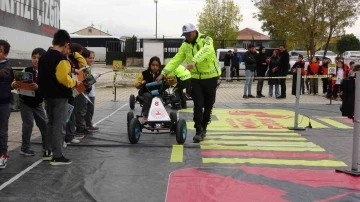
column 158, row 119
column 167, row 96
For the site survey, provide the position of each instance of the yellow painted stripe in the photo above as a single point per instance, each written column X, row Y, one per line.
column 177, row 153
column 228, row 137
column 335, row 124
column 250, row 133
column 249, row 148
column 234, row 142
column 324, row 163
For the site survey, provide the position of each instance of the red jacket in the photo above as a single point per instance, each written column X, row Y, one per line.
column 313, row 69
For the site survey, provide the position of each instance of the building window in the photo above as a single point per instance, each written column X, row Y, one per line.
column 90, row 30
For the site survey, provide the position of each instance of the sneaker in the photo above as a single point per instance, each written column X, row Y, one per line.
column 73, row 141
column 27, row 152
column 79, row 137
column 83, row 132
column 92, row 129
column 47, row 156
column 245, row 96
column 197, row 138
column 251, row 96
column 60, row 161
column 3, row 160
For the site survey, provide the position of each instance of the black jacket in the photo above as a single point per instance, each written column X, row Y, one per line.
column 261, row 66
column 47, row 81
column 32, row 101
column 227, row 60
column 250, row 61
column 284, row 63
column 6, row 77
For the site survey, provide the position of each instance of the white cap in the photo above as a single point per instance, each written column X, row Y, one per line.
column 187, row 28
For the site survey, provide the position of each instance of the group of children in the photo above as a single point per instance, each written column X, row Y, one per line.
column 331, row 86
column 54, row 77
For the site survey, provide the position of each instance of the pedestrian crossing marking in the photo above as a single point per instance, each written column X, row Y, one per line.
column 264, row 143
column 334, row 123
column 263, row 120
column 261, row 148
column 177, row 153
column 212, row 133
column 292, row 162
column 228, row 137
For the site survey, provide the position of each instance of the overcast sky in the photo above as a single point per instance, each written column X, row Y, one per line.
column 137, row 17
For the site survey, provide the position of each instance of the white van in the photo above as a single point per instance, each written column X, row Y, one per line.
column 220, row 55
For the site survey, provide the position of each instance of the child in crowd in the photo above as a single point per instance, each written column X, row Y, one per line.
column 147, row 76
column 77, row 62
column 313, row 70
column 6, row 77
column 55, row 84
column 91, row 106
column 341, row 73
column 31, row 109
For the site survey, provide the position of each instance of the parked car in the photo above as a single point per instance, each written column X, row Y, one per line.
column 220, row 54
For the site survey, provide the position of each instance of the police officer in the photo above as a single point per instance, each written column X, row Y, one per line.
column 198, row 51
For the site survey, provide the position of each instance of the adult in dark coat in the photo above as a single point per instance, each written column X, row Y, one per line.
column 283, row 69
column 274, row 72
column 261, row 68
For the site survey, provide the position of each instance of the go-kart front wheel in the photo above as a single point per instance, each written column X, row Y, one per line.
column 132, row 101
column 181, row 131
column 130, row 116
column 173, row 118
column 134, row 131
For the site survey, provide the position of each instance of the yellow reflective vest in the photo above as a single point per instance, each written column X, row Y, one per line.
column 202, row 53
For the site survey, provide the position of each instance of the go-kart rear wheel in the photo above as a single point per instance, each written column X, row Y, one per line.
column 130, row 115
column 134, row 131
column 181, row 131
column 132, row 101
column 173, row 118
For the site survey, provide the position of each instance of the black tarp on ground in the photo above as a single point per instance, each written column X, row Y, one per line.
column 107, row 168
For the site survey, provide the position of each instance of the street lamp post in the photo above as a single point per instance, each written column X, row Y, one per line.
column 156, row 1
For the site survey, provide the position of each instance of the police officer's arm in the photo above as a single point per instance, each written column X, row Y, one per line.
column 174, row 62
column 205, row 51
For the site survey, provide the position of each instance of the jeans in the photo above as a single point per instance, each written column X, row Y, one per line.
column 259, row 86
column 56, row 109
column 248, row 82
column 28, row 115
column 70, row 125
column 277, row 93
column 90, row 112
column 80, row 112
column 228, row 73
column 4, row 127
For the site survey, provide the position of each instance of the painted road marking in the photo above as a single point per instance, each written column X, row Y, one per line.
column 256, row 142
column 228, row 137
column 252, row 133
column 254, row 120
column 265, row 154
column 335, row 123
column 262, row 120
column 296, row 162
column 267, row 148
column 177, row 154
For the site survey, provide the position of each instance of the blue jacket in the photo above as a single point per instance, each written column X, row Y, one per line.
column 6, row 77
column 236, row 58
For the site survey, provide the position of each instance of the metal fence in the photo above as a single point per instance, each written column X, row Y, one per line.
column 120, row 50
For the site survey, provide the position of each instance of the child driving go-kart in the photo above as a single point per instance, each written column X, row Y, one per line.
column 147, row 76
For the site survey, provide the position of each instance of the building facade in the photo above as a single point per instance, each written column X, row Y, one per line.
column 91, row 30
